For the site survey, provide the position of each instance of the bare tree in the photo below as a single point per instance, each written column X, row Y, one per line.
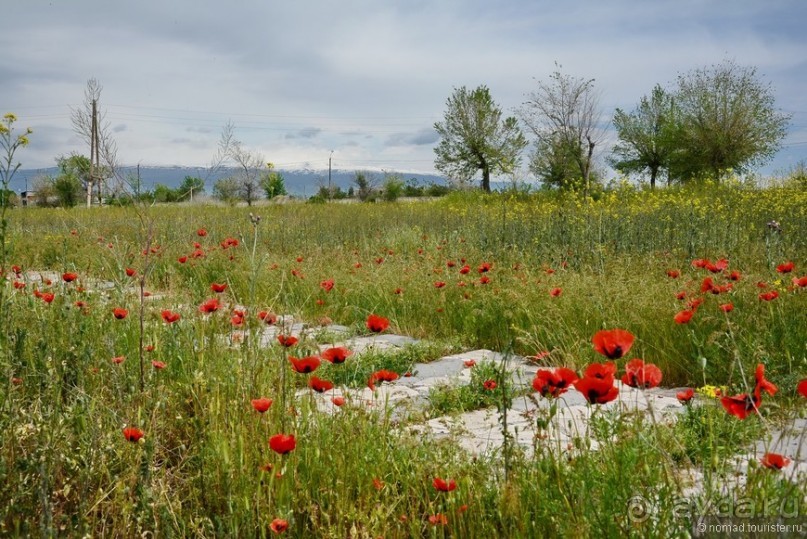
column 564, row 113
column 90, row 124
column 249, row 165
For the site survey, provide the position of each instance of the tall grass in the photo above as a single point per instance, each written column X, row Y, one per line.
column 204, row 467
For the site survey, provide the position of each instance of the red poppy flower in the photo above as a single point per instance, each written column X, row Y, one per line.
column 484, row 279
column 438, row 519
column 319, row 385
column 237, row 320
column 379, row 260
column 118, row 360
column 769, row 296
column 465, row 269
column 229, row 242
column 279, row 526
column 700, row 262
column 707, row 285
column 641, row 375
column 484, row 267
column 305, row 365
column 739, row 405
column 450, row 263
column 683, row 317
column 735, row 276
column 469, row 363
column 490, row 385
column 383, row 375
column 761, row 383
column 555, row 292
column 774, row 461
column 198, row 253
column 131, row 272
column 613, row 343
column 727, row 307
column 554, row 383
column 601, row 370
column 182, row 259
column 132, row 434
column 159, row 365
column 149, row 348
column 376, row 323
column 268, row 318
column 338, row 401
column 718, row 266
column 218, row 288
column 597, row 390
column 210, row 306
column 120, row 313
column 282, row 443
column 16, row 269
column 439, row 284
column 19, row 285
column 802, row 388
column 69, row 277
column 201, row 232
column 48, row 297
column 786, row 267
column 287, row 340
column 170, row 317
column 801, row 282
column 327, row 285
column 685, row 396
column 336, row 355
column 681, row 295
column 262, row 404
column 444, row 486
column 673, row 273
column 398, row 291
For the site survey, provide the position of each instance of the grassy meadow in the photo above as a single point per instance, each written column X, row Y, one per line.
column 544, row 273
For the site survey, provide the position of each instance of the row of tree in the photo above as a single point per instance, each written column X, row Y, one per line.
column 716, row 119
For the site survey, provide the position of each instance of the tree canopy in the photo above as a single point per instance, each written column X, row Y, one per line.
column 563, row 113
column 475, row 137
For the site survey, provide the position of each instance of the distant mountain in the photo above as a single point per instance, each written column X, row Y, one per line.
column 302, row 183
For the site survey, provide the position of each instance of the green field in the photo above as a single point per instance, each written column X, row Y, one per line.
column 545, row 272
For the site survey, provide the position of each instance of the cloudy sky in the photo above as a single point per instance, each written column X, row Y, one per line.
column 365, row 79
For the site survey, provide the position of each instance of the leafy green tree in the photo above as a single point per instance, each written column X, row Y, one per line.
column 646, row 136
column 191, row 186
column 273, row 183
column 393, row 188
column 365, row 184
column 76, row 167
column 67, row 189
column 564, row 115
column 555, row 163
column 227, row 190
column 474, row 137
column 728, row 121
column 163, row 193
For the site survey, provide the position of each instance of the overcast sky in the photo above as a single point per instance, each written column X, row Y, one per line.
column 365, row 79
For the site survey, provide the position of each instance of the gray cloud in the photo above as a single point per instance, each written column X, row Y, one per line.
column 368, row 74
column 305, row 133
column 425, row 137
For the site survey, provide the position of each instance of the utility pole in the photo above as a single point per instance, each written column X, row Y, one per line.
column 330, row 189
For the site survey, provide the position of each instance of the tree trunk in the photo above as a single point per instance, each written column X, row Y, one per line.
column 653, row 174
column 486, row 179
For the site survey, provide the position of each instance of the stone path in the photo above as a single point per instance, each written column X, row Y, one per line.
column 480, row 431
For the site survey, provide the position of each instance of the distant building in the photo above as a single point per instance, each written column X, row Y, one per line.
column 28, row 198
